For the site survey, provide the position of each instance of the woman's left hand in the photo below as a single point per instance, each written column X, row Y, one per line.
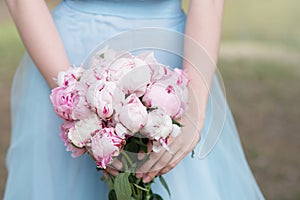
column 163, row 161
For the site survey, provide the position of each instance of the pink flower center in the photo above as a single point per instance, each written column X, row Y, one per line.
column 105, row 110
column 170, row 89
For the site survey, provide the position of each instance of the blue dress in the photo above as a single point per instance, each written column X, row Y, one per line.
column 39, row 166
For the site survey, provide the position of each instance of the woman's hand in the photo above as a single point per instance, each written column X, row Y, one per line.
column 163, row 161
column 204, row 22
column 203, row 25
column 193, row 122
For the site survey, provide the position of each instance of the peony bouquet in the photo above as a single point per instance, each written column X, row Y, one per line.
column 115, row 107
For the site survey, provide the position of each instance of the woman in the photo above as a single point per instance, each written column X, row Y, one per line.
column 39, row 167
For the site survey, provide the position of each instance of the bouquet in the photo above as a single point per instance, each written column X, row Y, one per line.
column 115, row 107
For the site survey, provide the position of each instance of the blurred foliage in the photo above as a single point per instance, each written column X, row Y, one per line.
column 11, row 49
column 268, row 21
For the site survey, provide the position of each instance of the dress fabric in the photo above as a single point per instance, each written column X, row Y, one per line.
column 39, row 166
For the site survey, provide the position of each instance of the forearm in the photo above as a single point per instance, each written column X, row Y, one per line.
column 203, row 25
column 40, row 37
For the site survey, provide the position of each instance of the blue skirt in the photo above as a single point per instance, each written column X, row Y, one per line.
column 39, row 166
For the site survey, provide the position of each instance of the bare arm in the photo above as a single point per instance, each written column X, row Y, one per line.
column 40, row 37
column 203, row 26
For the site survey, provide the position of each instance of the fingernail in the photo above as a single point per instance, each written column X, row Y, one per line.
column 146, row 179
column 118, row 165
column 138, row 174
column 114, row 172
column 141, row 155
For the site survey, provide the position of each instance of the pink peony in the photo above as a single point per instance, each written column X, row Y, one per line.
column 133, row 114
column 137, row 79
column 104, row 57
column 159, row 125
column 91, row 75
column 181, row 78
column 164, row 95
column 158, row 128
column 69, row 102
column 83, row 130
column 69, row 77
column 164, row 73
column 168, row 91
column 105, row 145
column 62, row 99
column 149, row 58
column 121, row 130
column 81, row 109
column 103, row 96
column 65, row 127
column 119, row 67
column 161, row 73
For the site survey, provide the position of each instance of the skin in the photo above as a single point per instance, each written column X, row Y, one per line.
column 204, row 20
column 38, row 32
column 204, row 23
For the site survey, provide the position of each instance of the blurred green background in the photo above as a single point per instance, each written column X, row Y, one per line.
column 259, row 62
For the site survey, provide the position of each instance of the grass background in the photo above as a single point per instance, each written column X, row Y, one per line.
column 259, row 62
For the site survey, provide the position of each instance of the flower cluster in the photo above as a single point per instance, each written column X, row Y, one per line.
column 117, row 96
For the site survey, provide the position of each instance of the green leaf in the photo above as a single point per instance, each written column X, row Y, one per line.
column 132, row 178
column 110, row 183
column 164, row 183
column 151, row 109
column 112, row 195
column 101, row 55
column 193, row 153
column 177, row 123
column 156, row 197
column 139, row 142
column 122, row 186
column 131, row 147
column 102, row 178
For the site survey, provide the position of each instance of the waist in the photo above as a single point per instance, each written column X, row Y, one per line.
column 129, row 8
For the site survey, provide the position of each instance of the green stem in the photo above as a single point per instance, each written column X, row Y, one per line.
column 141, row 188
column 127, row 158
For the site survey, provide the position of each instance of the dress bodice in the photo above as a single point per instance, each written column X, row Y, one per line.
column 130, row 8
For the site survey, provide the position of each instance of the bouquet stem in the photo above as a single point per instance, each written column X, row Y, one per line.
column 126, row 186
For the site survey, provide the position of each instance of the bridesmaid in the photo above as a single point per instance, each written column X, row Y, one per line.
column 39, row 167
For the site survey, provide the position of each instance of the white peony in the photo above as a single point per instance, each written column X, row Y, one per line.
column 83, row 129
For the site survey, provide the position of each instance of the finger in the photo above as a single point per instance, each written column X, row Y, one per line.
column 163, row 162
column 116, row 164
column 153, row 158
column 157, row 161
column 149, row 147
column 142, row 154
column 149, row 176
column 169, row 167
column 182, row 146
column 112, row 171
column 178, row 156
column 105, row 174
